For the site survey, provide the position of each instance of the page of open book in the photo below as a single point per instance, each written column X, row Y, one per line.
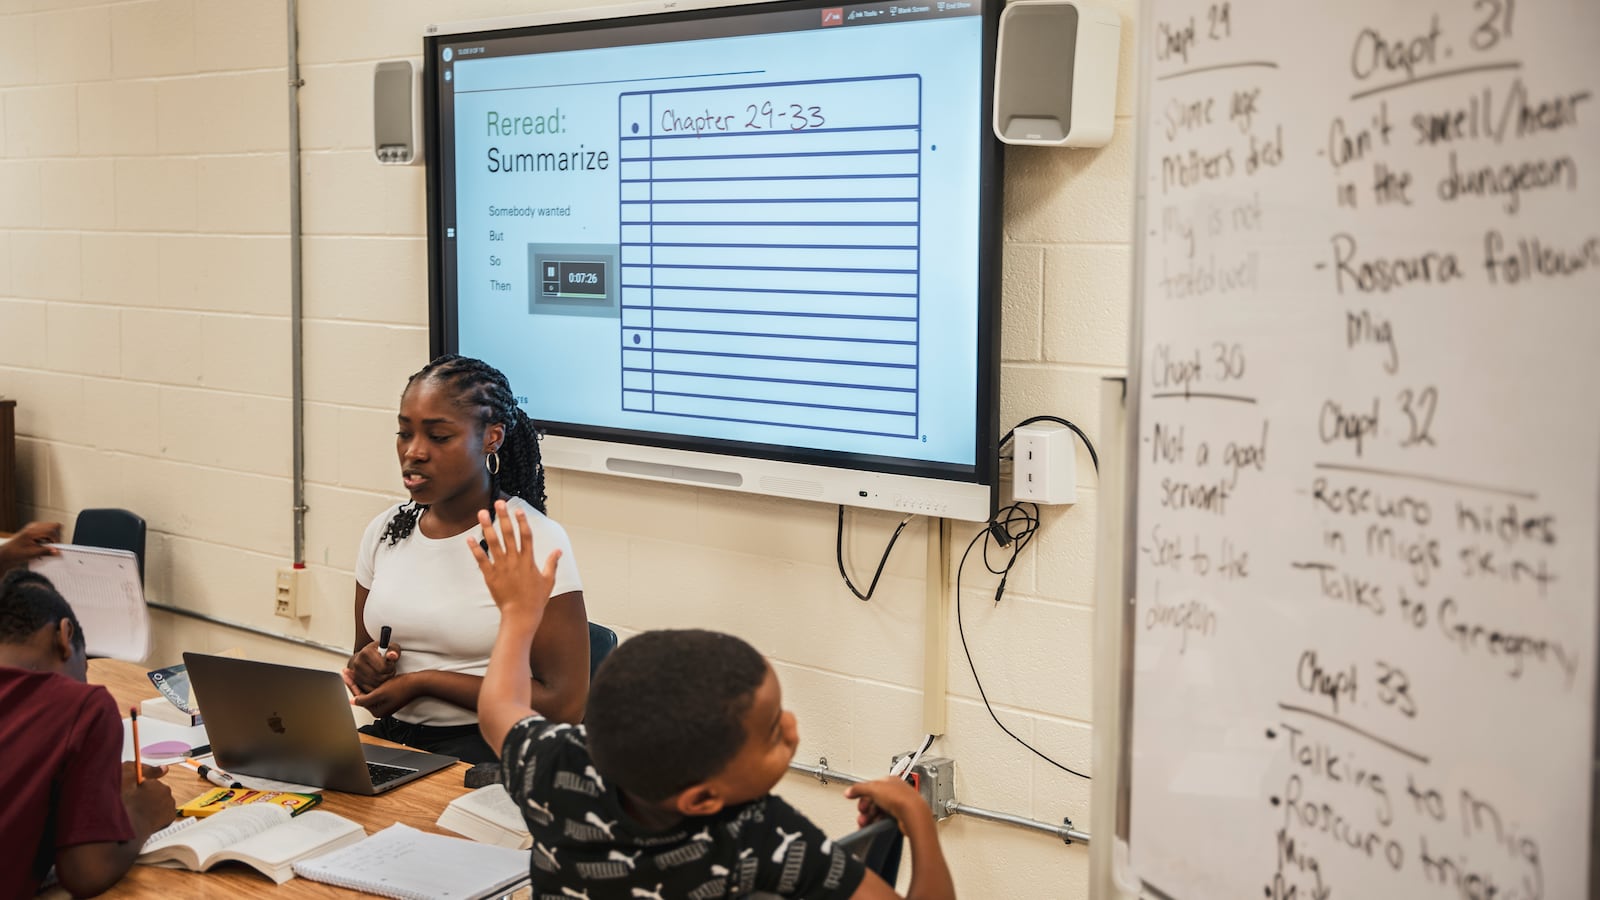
column 294, row 839
column 492, row 804
column 223, row 830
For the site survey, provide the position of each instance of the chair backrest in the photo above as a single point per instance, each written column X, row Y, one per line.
column 878, row 846
column 602, row 641
column 114, row 529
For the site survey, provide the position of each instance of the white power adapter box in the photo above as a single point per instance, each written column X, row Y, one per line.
column 1044, row 464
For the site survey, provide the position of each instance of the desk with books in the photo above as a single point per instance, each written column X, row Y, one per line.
column 417, row 804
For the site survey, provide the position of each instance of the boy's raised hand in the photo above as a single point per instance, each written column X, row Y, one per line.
column 517, row 585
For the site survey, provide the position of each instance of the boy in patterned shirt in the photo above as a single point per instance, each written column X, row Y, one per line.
column 663, row 792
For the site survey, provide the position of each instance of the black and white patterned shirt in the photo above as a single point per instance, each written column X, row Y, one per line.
column 585, row 846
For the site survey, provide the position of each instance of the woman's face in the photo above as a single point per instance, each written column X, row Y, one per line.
column 441, row 446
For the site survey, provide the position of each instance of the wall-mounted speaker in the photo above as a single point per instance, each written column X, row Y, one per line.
column 397, row 113
column 1055, row 79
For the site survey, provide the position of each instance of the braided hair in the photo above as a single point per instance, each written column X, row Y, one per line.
column 29, row 602
column 484, row 390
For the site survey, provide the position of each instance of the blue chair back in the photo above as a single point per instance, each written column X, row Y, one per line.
column 602, row 641
column 113, row 529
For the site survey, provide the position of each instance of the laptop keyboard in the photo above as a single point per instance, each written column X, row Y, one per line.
column 382, row 774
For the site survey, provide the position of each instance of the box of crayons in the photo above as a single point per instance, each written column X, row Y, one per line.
column 219, row 799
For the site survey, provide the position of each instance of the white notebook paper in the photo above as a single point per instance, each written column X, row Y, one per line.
column 106, row 594
column 408, row 864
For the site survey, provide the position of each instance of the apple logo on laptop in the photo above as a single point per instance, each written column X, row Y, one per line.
column 275, row 722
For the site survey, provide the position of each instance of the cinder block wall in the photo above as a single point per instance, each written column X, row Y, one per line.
column 144, row 332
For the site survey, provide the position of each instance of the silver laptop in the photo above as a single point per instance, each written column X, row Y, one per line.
column 292, row 724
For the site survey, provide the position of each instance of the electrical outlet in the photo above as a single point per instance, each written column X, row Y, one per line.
column 1044, row 464
column 286, row 600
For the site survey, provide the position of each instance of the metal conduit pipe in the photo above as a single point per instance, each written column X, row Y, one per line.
column 823, row 774
column 296, row 289
column 240, row 626
column 1064, row 831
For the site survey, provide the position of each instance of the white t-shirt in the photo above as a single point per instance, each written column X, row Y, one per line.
column 431, row 594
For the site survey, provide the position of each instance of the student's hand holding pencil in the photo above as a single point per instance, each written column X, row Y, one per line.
column 148, row 801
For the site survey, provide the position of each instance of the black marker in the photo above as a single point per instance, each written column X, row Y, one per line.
column 383, row 640
column 214, row 775
column 484, row 542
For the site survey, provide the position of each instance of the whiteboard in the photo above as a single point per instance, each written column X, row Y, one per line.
column 1367, row 450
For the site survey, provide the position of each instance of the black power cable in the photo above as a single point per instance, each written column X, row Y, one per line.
column 1011, row 527
column 838, row 549
column 1088, row 445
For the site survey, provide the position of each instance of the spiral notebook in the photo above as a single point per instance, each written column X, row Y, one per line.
column 107, row 594
column 408, row 864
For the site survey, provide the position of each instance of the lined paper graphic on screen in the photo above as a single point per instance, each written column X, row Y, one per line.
column 770, row 253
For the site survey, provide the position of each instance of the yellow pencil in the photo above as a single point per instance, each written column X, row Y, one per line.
column 138, row 764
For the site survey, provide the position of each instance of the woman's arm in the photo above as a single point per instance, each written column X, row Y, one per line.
column 558, row 671
column 362, row 637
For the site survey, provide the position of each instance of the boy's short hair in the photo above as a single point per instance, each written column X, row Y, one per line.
column 667, row 709
column 29, row 602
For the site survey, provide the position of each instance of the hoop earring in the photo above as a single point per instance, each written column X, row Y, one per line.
column 491, row 462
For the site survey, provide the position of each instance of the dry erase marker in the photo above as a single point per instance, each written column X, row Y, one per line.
column 383, row 640
column 138, row 764
column 215, row 776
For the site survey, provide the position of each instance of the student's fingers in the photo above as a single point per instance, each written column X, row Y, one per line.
column 867, row 812
column 349, row 677
column 492, row 525
column 886, row 794
column 548, row 570
column 41, row 531
column 131, row 772
column 475, row 544
column 524, row 534
column 507, row 534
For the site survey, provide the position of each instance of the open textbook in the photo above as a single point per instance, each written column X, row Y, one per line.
column 488, row 815
column 261, row 836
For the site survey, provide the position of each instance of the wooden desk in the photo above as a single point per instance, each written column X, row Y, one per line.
column 416, row 804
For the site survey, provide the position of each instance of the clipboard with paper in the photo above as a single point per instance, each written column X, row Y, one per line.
column 105, row 592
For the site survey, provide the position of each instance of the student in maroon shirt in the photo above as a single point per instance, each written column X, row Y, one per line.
column 64, row 798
